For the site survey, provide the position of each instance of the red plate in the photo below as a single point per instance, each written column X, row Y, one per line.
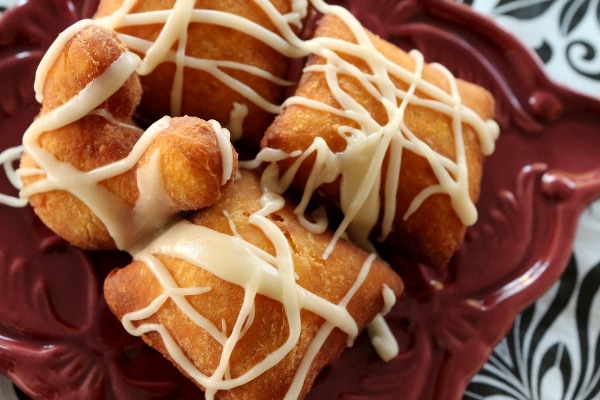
column 58, row 340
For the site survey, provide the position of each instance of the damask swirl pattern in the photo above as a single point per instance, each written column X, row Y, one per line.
column 552, row 351
column 553, row 348
column 564, row 33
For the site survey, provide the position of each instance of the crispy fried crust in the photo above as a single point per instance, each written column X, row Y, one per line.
column 134, row 287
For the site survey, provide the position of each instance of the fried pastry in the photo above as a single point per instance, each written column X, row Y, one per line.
column 240, row 300
column 250, row 294
column 395, row 143
column 87, row 168
column 214, row 59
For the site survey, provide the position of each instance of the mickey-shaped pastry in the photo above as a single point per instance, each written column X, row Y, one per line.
column 91, row 174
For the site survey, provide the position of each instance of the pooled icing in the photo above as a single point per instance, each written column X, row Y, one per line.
column 364, row 157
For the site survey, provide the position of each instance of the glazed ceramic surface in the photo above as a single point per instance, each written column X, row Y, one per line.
column 59, row 340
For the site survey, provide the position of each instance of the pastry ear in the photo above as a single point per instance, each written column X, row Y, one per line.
column 197, row 161
column 87, row 55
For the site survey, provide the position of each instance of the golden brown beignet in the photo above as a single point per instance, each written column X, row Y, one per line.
column 204, row 94
column 136, row 286
column 190, row 156
column 433, row 232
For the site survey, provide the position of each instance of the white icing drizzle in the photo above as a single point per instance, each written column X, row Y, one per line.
column 129, row 227
column 238, row 113
column 52, row 53
column 389, row 299
column 370, row 143
column 8, row 158
column 382, row 339
column 224, row 140
column 299, row 11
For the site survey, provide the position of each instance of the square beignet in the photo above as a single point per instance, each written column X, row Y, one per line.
column 243, row 303
column 403, row 142
column 223, row 65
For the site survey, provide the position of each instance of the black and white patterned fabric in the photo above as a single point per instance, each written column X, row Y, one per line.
column 553, row 348
column 565, row 34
